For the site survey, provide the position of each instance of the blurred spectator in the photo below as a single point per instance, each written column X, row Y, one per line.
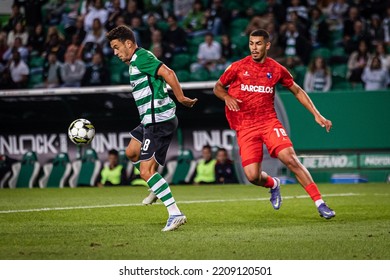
column 386, row 27
column 160, row 48
column 3, row 45
column 205, row 168
column 181, row 8
column 374, row 30
column 318, row 77
column 161, row 8
column 112, row 174
column 318, row 29
column 5, row 79
column 97, row 73
column 33, row 12
column 112, row 5
column 151, row 26
column 52, row 72
column 356, row 63
column 277, row 9
column 194, row 21
column 217, row 18
column 209, row 54
column 87, row 51
column 335, row 12
column 175, row 36
column 97, row 11
column 77, row 29
column 136, row 26
column 352, row 44
column 85, row 7
column 259, row 22
column 23, row 51
column 383, row 53
column 18, row 31
column 295, row 45
column 74, row 45
column 352, row 16
column 227, row 50
column 224, row 168
column 36, row 40
column 375, row 76
column 114, row 11
column 300, row 9
column 54, row 11
column 72, row 71
column 276, row 51
column 97, row 34
column 132, row 10
column 55, row 43
column 19, row 71
column 158, row 51
column 15, row 17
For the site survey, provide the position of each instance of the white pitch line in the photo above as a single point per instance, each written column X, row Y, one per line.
column 139, row 204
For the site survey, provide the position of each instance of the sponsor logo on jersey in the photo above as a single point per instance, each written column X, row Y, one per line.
column 252, row 88
column 269, row 75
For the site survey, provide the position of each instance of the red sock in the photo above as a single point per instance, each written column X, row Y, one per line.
column 269, row 183
column 313, row 191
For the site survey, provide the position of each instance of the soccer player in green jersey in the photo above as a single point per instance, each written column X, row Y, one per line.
column 150, row 140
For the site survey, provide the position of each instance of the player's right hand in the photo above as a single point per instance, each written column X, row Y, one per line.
column 188, row 102
column 232, row 103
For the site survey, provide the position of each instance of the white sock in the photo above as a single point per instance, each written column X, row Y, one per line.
column 173, row 209
column 319, row 202
column 275, row 183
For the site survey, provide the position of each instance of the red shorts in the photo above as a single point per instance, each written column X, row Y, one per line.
column 251, row 141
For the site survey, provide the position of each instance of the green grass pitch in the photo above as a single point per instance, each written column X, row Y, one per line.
column 231, row 222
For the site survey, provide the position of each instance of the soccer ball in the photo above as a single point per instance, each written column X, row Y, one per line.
column 81, row 132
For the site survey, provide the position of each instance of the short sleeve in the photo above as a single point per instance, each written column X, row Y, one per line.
column 229, row 75
column 286, row 78
column 148, row 63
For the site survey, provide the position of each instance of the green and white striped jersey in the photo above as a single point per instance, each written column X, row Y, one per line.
column 149, row 90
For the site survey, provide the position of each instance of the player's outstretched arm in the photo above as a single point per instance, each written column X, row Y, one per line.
column 305, row 100
column 221, row 93
column 170, row 77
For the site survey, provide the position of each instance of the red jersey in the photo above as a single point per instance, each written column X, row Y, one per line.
column 254, row 84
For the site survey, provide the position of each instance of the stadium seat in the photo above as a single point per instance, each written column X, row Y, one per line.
column 25, row 173
column 300, row 72
column 321, row 52
column 339, row 73
column 181, row 61
column 214, row 76
column 181, row 170
column 183, row 75
column 35, row 79
column 85, row 170
column 238, row 25
column 57, row 172
column 200, row 75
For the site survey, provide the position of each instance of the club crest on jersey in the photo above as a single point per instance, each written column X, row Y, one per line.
column 269, row 75
column 246, row 74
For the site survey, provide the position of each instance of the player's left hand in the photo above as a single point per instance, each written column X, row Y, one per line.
column 188, row 102
column 324, row 123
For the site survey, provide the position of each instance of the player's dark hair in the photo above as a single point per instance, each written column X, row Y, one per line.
column 113, row 152
column 121, row 33
column 260, row 33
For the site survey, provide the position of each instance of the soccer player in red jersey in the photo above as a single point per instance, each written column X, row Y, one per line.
column 250, row 112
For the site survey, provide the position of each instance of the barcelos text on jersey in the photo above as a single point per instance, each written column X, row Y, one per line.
column 261, row 89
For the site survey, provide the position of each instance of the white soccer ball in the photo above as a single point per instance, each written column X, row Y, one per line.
column 81, row 132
